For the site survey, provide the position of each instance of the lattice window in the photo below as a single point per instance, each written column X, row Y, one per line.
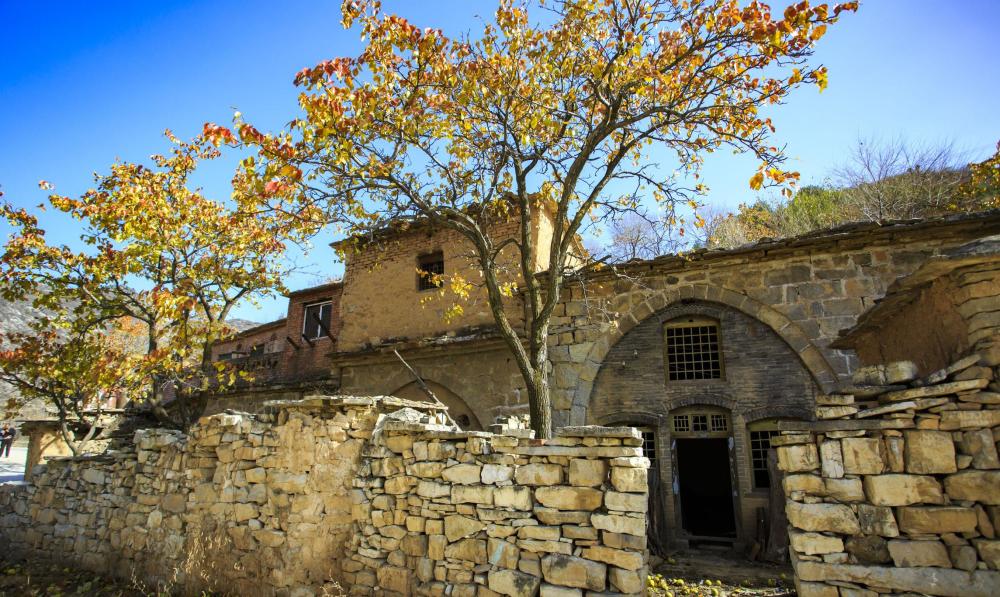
column 648, row 444
column 682, row 423
column 693, row 350
column 720, row 423
column 430, row 269
column 699, row 422
column 760, row 443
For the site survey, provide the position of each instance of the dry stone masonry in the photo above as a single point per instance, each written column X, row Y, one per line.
column 467, row 513
column 897, row 488
column 346, row 495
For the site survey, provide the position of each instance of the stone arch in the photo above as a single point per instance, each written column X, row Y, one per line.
column 630, row 417
column 457, row 407
column 639, row 309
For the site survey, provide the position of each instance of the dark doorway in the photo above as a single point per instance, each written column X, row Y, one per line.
column 706, row 488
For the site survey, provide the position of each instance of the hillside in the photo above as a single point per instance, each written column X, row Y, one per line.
column 16, row 317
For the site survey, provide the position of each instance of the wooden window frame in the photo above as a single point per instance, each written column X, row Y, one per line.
column 306, row 322
column 693, row 321
column 424, row 275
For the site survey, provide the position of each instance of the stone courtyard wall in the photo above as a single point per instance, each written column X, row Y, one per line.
column 344, row 495
column 896, row 489
column 467, row 513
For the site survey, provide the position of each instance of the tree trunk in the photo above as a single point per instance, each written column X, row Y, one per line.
column 539, row 400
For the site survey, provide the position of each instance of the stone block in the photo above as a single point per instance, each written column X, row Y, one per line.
column 901, row 372
column 936, row 520
column 569, row 571
column 569, row 498
column 974, row 486
column 877, row 520
column 906, row 554
column 464, row 474
column 628, row 560
column 630, row 582
column 798, row 458
column 962, row 557
column 835, row 518
column 513, row 583
column 497, row 474
column 548, row 590
column 457, row 527
column 902, row 490
column 862, row 456
column 467, row 550
column 868, row 549
column 969, row 419
column 815, row 543
column 629, row 479
column 844, row 490
column 514, row 497
column 539, row 474
column 930, row 581
column 587, row 473
column 503, row 554
column 472, row 494
column 816, row 589
column 619, row 524
column 929, row 452
column 626, row 502
column 989, row 552
column 812, row 484
column 981, row 445
column 832, row 459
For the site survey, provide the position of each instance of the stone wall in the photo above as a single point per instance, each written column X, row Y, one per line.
column 465, row 513
column 336, row 495
column 897, row 488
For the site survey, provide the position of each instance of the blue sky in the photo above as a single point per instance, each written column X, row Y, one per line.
column 83, row 84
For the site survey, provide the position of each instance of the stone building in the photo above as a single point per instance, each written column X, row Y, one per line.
column 706, row 352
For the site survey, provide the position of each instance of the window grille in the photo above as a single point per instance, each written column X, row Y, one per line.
column 693, row 351
column 760, row 443
column 720, row 423
column 430, row 268
column 316, row 319
column 699, row 422
column 648, row 444
column 682, row 423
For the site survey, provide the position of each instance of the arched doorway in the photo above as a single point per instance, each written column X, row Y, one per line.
column 457, row 408
column 704, row 477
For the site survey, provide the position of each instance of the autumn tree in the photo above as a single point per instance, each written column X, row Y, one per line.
column 155, row 252
column 557, row 105
column 982, row 188
column 895, row 179
column 75, row 371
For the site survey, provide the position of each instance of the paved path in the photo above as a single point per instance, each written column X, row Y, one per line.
column 12, row 467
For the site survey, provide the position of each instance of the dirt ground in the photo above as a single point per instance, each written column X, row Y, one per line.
column 692, row 574
column 19, row 578
column 710, row 574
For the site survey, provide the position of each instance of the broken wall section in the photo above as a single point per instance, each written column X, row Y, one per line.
column 465, row 513
column 897, row 488
column 244, row 504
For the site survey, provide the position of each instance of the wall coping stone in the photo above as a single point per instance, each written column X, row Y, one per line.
column 598, row 431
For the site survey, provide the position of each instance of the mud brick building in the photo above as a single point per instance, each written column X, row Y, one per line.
column 706, row 352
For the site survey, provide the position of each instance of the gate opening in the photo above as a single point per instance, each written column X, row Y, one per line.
column 706, row 491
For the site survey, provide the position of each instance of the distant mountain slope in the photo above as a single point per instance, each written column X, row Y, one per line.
column 16, row 317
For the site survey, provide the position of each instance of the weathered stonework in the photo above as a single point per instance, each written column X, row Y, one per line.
column 337, row 495
column 927, row 518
